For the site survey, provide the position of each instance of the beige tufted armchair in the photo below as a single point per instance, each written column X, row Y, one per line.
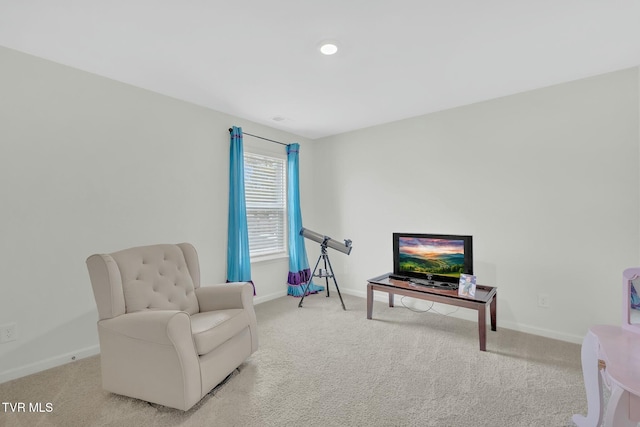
column 163, row 337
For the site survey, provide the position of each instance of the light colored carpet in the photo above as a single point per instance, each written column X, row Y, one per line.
column 322, row 366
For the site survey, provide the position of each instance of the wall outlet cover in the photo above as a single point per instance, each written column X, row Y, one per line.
column 8, row 333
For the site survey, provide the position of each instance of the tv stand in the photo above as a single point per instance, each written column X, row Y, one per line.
column 484, row 298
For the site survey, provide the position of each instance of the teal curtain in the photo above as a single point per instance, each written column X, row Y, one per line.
column 299, row 271
column 238, row 258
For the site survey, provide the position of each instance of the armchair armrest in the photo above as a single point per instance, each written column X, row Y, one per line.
column 151, row 355
column 154, row 326
column 225, row 296
column 230, row 295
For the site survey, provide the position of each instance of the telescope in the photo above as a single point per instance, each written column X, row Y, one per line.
column 327, row 271
column 326, row 241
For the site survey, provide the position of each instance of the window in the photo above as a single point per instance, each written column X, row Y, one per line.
column 265, row 194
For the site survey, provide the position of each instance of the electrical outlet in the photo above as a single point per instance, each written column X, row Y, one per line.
column 543, row 300
column 8, row 333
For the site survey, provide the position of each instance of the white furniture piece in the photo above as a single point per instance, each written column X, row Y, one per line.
column 163, row 337
column 611, row 354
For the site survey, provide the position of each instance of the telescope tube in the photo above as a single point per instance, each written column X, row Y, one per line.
column 344, row 247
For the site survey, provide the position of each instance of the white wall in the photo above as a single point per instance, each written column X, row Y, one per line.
column 91, row 165
column 545, row 181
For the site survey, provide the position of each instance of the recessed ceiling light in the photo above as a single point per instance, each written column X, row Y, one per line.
column 278, row 119
column 328, row 48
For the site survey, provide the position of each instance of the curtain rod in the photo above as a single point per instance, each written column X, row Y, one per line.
column 256, row 136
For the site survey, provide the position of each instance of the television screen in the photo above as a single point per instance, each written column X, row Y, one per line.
column 437, row 257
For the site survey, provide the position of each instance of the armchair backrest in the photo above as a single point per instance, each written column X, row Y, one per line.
column 157, row 277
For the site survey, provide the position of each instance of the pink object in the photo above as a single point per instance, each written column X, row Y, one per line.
column 630, row 276
column 614, row 352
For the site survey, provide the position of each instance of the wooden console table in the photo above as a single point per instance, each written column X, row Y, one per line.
column 485, row 296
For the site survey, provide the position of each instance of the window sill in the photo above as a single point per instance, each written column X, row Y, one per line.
column 270, row 257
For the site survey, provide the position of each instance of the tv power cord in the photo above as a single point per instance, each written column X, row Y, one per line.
column 431, row 308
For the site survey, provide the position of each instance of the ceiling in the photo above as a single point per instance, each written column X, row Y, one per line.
column 259, row 59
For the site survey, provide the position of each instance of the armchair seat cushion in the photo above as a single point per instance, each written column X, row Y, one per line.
column 212, row 328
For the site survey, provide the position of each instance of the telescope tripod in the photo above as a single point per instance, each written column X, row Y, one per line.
column 326, row 273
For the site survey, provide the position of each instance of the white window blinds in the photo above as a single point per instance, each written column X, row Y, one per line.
column 265, row 194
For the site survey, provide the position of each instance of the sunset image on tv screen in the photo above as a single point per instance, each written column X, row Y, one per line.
column 443, row 257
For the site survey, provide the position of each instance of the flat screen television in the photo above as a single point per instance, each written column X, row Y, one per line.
column 438, row 257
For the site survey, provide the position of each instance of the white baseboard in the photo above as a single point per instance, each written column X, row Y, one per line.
column 62, row 359
column 466, row 314
column 470, row 314
column 49, row 363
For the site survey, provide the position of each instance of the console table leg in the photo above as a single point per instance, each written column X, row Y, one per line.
column 369, row 301
column 493, row 310
column 391, row 299
column 482, row 327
